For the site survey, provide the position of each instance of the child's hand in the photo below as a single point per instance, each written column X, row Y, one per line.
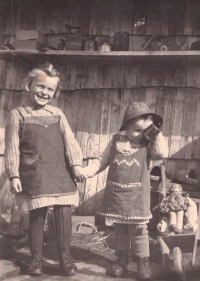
column 15, row 186
column 78, row 173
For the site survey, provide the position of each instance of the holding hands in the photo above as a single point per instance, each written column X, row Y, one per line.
column 79, row 174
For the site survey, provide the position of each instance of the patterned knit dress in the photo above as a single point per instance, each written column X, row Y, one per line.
column 127, row 191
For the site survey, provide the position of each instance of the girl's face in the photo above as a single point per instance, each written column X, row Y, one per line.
column 135, row 128
column 42, row 89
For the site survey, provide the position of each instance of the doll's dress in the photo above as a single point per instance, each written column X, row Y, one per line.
column 175, row 202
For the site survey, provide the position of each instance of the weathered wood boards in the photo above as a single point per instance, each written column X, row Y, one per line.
column 95, row 115
column 95, row 94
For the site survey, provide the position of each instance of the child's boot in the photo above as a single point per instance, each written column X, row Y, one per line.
column 36, row 225
column 121, row 265
column 35, row 267
column 66, row 263
column 63, row 223
column 143, row 268
column 123, row 247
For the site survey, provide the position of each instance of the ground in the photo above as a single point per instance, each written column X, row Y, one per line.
column 93, row 253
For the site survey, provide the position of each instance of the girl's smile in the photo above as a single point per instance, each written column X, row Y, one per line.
column 42, row 89
column 43, row 97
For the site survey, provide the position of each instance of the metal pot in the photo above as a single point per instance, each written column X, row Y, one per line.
column 89, row 45
column 105, row 47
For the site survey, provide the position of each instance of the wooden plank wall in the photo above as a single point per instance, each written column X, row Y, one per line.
column 95, row 95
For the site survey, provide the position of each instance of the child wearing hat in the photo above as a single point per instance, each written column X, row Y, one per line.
column 126, row 199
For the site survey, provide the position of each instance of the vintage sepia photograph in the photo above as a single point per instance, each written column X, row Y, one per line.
column 100, row 140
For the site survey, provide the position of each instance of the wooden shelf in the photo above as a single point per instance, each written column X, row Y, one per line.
column 134, row 56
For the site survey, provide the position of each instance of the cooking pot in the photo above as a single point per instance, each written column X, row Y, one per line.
column 105, row 47
column 89, row 45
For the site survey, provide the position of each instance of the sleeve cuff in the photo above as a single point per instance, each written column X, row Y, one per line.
column 15, row 177
column 76, row 163
column 12, row 174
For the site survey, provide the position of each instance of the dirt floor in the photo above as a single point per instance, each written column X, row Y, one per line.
column 93, row 253
column 93, row 250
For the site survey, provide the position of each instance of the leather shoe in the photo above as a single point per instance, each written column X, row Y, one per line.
column 67, row 264
column 115, row 270
column 144, row 268
column 35, row 267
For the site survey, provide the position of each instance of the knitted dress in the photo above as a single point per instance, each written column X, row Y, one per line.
column 127, row 191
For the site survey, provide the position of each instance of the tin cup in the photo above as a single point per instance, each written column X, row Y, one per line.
column 151, row 132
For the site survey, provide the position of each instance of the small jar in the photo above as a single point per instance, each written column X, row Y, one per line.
column 105, row 47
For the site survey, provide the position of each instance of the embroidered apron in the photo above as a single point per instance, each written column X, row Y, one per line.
column 43, row 167
column 127, row 191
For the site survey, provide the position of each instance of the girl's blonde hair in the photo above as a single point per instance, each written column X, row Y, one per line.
column 46, row 68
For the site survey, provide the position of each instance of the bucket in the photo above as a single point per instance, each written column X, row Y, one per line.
column 121, row 41
column 90, row 45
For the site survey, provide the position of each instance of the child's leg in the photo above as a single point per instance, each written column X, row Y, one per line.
column 179, row 222
column 63, row 221
column 139, row 239
column 172, row 221
column 122, row 237
column 122, row 240
column 140, row 246
column 35, row 232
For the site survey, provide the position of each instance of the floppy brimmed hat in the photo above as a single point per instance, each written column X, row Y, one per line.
column 137, row 109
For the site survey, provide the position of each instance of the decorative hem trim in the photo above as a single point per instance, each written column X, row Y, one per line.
column 125, row 217
column 25, row 204
column 131, row 184
column 124, row 161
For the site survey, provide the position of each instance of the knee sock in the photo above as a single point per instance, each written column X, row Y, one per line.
column 139, row 240
column 63, row 222
column 35, row 230
column 122, row 236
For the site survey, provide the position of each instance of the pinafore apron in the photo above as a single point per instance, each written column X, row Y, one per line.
column 43, row 168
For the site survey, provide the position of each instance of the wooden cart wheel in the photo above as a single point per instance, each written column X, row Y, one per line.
column 177, row 257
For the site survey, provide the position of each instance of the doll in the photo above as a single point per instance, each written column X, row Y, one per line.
column 175, row 205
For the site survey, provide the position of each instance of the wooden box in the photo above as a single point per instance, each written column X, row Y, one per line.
column 30, row 35
column 27, row 45
column 121, row 41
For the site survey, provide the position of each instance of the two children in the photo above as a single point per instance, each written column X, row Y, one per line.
column 42, row 157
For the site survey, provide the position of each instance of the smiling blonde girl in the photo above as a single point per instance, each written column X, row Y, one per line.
column 41, row 158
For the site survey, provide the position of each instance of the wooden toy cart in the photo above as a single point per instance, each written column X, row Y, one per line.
column 178, row 251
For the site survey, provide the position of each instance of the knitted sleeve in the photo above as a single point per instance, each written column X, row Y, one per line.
column 159, row 149
column 12, row 152
column 100, row 164
column 72, row 149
